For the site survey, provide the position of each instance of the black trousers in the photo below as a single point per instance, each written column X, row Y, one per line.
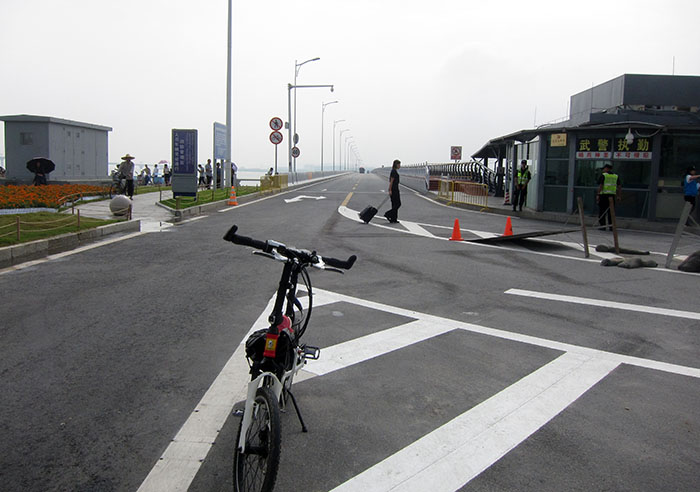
column 129, row 188
column 519, row 195
column 604, row 210
column 393, row 214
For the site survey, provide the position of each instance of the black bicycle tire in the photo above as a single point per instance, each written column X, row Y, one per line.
column 264, row 399
column 307, row 316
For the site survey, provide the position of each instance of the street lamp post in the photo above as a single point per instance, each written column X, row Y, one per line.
column 348, row 141
column 340, row 148
column 289, row 116
column 323, row 110
column 334, row 123
column 297, row 67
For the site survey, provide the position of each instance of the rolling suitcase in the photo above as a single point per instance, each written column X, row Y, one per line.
column 369, row 212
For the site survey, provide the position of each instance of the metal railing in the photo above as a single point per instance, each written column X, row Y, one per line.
column 464, row 192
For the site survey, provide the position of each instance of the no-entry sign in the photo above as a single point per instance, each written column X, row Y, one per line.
column 456, row 153
column 276, row 137
column 276, row 123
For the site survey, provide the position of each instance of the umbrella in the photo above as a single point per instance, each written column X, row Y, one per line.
column 41, row 165
column 163, row 162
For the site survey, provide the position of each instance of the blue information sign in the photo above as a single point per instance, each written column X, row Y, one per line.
column 219, row 141
column 184, row 162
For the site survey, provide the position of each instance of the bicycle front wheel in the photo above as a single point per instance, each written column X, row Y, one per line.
column 114, row 190
column 256, row 469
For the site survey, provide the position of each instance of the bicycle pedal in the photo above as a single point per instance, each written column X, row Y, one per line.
column 312, row 353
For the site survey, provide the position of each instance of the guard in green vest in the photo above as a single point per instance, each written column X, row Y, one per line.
column 608, row 186
column 522, row 178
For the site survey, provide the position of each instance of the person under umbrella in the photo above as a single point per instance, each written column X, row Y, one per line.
column 40, row 166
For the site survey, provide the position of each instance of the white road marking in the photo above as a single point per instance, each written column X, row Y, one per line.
column 301, row 197
column 184, row 456
column 453, row 454
column 603, row 303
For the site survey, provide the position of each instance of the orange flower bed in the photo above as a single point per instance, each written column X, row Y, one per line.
column 29, row 196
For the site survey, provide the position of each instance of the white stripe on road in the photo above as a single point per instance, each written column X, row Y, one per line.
column 452, row 455
column 184, row 456
column 607, row 304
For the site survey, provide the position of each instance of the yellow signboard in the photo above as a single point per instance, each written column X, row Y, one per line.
column 558, row 140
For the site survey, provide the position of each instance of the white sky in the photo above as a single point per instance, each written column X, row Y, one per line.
column 412, row 77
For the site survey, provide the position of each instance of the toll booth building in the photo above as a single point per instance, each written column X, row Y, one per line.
column 79, row 150
column 646, row 126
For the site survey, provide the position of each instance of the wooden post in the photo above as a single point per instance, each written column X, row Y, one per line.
column 583, row 228
column 679, row 230
column 178, row 199
column 613, row 219
column 78, row 219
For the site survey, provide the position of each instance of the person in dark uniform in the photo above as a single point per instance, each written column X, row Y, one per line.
column 393, row 214
column 608, row 186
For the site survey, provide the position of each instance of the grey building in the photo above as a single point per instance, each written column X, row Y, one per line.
column 79, row 150
column 646, row 126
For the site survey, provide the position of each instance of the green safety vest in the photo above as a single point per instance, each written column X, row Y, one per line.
column 610, row 184
column 522, row 176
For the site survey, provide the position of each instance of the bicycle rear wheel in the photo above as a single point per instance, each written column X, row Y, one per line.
column 256, row 469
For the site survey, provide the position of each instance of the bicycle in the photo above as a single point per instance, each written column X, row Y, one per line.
column 275, row 356
column 118, row 186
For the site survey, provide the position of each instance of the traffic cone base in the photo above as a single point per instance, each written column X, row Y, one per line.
column 509, row 228
column 456, row 233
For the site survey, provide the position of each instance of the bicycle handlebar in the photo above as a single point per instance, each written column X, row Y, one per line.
column 305, row 256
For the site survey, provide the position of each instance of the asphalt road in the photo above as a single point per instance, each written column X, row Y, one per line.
column 444, row 365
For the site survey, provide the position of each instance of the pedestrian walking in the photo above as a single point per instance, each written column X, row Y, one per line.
column 147, row 177
column 202, row 178
column 126, row 170
column 608, row 186
column 521, row 181
column 691, row 183
column 218, row 175
column 393, row 215
column 208, row 172
column 166, row 174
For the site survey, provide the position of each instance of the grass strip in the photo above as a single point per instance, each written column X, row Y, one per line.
column 41, row 225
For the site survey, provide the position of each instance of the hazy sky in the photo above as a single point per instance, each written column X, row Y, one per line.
column 412, row 77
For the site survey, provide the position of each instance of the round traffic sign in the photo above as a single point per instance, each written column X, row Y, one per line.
column 276, row 123
column 276, row 137
column 296, row 152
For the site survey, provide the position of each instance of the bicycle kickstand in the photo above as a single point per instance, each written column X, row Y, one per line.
column 296, row 407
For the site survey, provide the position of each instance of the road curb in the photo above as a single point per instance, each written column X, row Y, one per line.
column 20, row 253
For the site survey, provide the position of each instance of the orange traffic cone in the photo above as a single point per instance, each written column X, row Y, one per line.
column 509, row 228
column 232, row 200
column 456, row 233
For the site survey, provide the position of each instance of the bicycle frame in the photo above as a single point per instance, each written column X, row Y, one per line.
column 285, row 292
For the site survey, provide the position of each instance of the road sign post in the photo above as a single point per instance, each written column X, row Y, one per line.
column 276, row 136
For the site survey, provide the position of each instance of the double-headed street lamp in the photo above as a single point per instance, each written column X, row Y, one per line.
column 334, row 123
column 323, row 110
column 289, row 115
column 297, row 67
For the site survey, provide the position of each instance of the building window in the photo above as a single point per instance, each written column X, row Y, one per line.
column 26, row 138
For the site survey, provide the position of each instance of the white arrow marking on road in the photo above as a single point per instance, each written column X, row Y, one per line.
column 301, row 197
